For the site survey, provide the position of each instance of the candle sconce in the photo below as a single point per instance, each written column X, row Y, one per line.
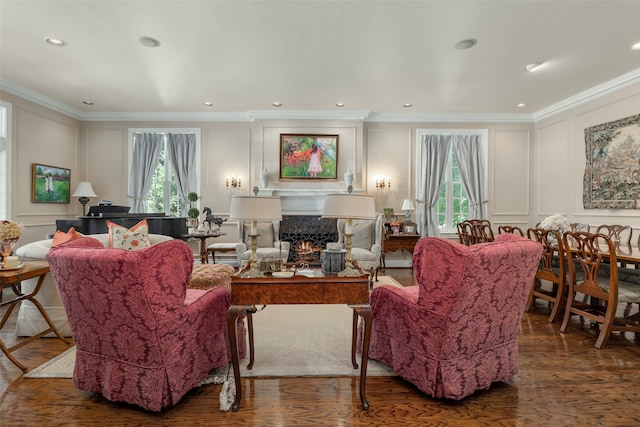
column 234, row 183
column 383, row 183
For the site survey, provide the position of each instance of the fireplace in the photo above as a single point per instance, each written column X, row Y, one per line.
column 308, row 235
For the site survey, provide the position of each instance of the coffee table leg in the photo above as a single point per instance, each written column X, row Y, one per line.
column 365, row 312
column 232, row 322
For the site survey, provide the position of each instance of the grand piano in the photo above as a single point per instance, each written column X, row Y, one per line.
column 159, row 223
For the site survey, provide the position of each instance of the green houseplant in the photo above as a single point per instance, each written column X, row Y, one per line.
column 193, row 212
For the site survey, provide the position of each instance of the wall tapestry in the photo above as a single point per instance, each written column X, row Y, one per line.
column 612, row 173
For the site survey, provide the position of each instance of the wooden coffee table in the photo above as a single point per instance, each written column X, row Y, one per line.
column 320, row 289
column 11, row 279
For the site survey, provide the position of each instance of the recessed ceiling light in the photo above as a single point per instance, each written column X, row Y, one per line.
column 407, row 105
column 340, row 104
column 466, row 44
column 277, row 104
column 522, row 104
column 55, row 42
column 87, row 102
column 148, row 41
column 208, row 104
column 636, row 46
column 533, row 66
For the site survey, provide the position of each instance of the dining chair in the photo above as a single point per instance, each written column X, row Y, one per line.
column 600, row 283
column 550, row 280
column 510, row 229
column 479, row 231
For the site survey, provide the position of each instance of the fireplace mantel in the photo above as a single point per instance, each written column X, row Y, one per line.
column 302, row 201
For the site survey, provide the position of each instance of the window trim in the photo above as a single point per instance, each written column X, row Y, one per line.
column 7, row 169
column 484, row 141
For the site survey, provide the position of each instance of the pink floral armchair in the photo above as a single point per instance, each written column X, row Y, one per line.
column 141, row 336
column 456, row 332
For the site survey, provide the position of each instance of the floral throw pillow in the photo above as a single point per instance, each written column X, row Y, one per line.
column 131, row 239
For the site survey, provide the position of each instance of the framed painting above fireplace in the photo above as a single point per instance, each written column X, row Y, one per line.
column 308, row 156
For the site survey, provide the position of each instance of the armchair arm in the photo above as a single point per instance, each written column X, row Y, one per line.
column 286, row 246
column 376, row 249
column 240, row 249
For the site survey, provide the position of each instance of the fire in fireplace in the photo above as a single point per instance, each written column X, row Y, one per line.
column 308, row 236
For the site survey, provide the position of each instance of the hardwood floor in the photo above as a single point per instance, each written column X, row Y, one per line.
column 563, row 380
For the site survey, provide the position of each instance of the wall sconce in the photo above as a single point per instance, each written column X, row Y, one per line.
column 383, row 183
column 234, row 183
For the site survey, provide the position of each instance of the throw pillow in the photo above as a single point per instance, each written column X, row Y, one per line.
column 265, row 234
column 362, row 234
column 131, row 239
column 61, row 237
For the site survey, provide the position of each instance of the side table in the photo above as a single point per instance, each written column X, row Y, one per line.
column 11, row 279
column 204, row 255
column 393, row 242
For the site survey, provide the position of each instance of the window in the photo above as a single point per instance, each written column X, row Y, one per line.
column 156, row 183
column 453, row 203
column 5, row 160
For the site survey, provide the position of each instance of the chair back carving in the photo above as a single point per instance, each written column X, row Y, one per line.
column 619, row 234
column 479, row 231
column 510, row 229
column 579, row 226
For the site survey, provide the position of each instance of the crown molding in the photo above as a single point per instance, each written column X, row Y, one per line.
column 40, row 99
column 589, row 95
column 357, row 115
column 450, row 118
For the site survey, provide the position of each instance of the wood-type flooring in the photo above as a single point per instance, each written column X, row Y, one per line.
column 563, row 381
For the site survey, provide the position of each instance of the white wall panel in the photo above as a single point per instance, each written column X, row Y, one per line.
column 510, row 169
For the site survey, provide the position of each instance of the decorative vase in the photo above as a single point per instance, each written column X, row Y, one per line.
column 348, row 178
column 264, row 178
column 6, row 248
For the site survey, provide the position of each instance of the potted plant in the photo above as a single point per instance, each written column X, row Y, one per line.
column 193, row 212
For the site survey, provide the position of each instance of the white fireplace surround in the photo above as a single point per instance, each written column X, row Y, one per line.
column 299, row 201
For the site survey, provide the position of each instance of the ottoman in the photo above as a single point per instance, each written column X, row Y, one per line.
column 207, row 276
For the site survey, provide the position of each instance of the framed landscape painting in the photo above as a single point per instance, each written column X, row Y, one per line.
column 307, row 156
column 50, row 184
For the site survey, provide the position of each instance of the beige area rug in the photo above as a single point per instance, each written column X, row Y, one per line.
column 290, row 340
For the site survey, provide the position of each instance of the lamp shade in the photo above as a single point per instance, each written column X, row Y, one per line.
column 407, row 205
column 354, row 206
column 84, row 189
column 255, row 208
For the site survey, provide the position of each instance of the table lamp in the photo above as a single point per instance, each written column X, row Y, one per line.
column 254, row 209
column 407, row 206
column 84, row 191
column 349, row 207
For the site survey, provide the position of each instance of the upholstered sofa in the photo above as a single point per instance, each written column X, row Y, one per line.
column 29, row 320
column 142, row 337
column 456, row 331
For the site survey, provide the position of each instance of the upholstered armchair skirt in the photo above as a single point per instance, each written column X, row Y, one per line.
column 456, row 331
column 141, row 336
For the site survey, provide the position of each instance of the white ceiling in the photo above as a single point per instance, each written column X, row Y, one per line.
column 372, row 55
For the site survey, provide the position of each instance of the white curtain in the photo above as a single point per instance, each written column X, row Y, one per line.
column 146, row 151
column 434, row 153
column 468, row 150
column 181, row 152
